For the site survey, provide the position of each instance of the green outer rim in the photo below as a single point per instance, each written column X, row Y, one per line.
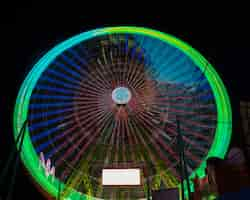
column 224, row 113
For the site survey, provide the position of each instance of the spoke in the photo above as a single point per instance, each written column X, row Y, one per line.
column 160, row 153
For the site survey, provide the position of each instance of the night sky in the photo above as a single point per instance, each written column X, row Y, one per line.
column 27, row 31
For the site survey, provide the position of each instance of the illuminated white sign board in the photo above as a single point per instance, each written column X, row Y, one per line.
column 116, row 177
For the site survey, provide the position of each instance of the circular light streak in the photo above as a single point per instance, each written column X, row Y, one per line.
column 178, row 73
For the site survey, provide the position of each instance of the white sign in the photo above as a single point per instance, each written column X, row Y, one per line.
column 116, row 177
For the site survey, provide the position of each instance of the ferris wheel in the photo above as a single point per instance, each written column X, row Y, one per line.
column 113, row 97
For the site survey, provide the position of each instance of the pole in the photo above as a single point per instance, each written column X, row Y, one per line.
column 179, row 145
column 184, row 172
column 148, row 189
column 59, row 191
column 12, row 155
column 187, row 178
column 16, row 152
column 146, row 174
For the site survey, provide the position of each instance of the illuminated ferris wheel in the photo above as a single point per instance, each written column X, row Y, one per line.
column 112, row 97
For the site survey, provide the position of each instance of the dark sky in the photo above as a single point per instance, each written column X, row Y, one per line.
column 28, row 31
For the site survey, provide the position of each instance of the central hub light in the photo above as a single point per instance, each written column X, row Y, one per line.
column 121, row 95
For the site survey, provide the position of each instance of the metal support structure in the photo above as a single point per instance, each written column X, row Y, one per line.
column 146, row 174
column 187, row 178
column 181, row 175
column 148, row 189
column 183, row 165
column 14, row 156
column 59, row 191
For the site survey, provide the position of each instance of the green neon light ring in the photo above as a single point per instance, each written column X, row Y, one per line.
column 224, row 114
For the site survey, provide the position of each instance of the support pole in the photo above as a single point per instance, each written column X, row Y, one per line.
column 59, row 191
column 184, row 172
column 187, row 178
column 15, row 155
column 179, row 145
column 148, row 189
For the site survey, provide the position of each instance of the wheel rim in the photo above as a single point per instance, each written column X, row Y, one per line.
column 222, row 132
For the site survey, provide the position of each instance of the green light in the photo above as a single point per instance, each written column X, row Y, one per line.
column 224, row 115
